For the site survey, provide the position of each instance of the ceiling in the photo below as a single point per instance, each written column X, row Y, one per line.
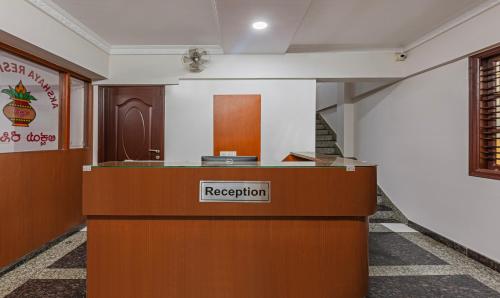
column 294, row 25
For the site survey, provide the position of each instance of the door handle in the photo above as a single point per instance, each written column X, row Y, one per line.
column 154, row 151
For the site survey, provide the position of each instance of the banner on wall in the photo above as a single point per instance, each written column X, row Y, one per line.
column 29, row 99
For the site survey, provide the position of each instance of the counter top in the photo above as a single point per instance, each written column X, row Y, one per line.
column 312, row 160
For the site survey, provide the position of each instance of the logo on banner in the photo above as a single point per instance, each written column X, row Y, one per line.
column 18, row 110
column 30, row 106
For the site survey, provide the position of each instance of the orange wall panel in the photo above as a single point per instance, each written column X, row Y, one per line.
column 237, row 124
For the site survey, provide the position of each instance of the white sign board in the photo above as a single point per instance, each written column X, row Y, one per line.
column 235, row 191
column 29, row 103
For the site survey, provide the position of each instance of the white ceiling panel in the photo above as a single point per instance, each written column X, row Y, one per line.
column 294, row 25
column 237, row 16
column 360, row 24
column 148, row 22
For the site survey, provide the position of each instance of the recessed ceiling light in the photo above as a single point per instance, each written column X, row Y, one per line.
column 259, row 25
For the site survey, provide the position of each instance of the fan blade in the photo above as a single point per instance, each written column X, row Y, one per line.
column 186, row 59
column 192, row 51
column 203, row 61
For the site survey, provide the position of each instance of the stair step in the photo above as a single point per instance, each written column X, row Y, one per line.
column 327, row 151
column 321, row 126
column 325, row 138
column 381, row 207
column 383, row 215
column 325, row 144
column 322, row 132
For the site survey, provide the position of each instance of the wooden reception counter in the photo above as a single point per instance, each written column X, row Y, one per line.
column 156, row 230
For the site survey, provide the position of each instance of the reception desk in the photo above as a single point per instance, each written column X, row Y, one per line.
column 178, row 230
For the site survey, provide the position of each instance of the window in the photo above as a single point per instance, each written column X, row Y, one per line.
column 484, row 130
column 43, row 106
column 30, row 104
column 77, row 106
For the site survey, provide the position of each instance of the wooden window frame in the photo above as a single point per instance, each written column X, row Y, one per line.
column 65, row 76
column 477, row 167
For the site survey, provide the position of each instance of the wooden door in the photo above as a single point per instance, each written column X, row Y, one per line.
column 131, row 123
column 237, row 124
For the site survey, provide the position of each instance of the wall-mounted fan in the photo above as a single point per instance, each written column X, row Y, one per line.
column 195, row 59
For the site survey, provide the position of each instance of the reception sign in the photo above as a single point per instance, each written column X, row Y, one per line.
column 29, row 100
column 235, row 191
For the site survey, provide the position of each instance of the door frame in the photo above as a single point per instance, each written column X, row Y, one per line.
column 103, row 91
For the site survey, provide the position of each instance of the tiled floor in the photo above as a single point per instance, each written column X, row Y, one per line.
column 403, row 263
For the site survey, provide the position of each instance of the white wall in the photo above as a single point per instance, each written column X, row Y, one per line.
column 458, row 42
column 167, row 69
column 348, row 146
column 326, row 94
column 287, row 119
column 417, row 131
column 30, row 25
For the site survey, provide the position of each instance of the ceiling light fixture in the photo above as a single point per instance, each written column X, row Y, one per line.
column 259, row 25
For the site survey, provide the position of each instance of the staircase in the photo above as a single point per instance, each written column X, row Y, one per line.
column 326, row 138
column 326, row 143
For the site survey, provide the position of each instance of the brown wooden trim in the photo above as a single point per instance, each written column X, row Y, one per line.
column 473, row 115
column 103, row 93
column 89, row 123
column 64, row 122
column 164, row 129
column 486, row 53
column 485, row 173
column 61, row 103
column 33, row 58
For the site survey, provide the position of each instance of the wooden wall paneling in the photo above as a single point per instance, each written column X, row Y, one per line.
column 294, row 191
column 237, row 124
column 41, row 198
column 238, row 257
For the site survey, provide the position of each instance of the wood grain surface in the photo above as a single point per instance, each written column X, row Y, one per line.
column 213, row 258
column 40, row 199
column 237, row 124
column 132, row 122
column 327, row 191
